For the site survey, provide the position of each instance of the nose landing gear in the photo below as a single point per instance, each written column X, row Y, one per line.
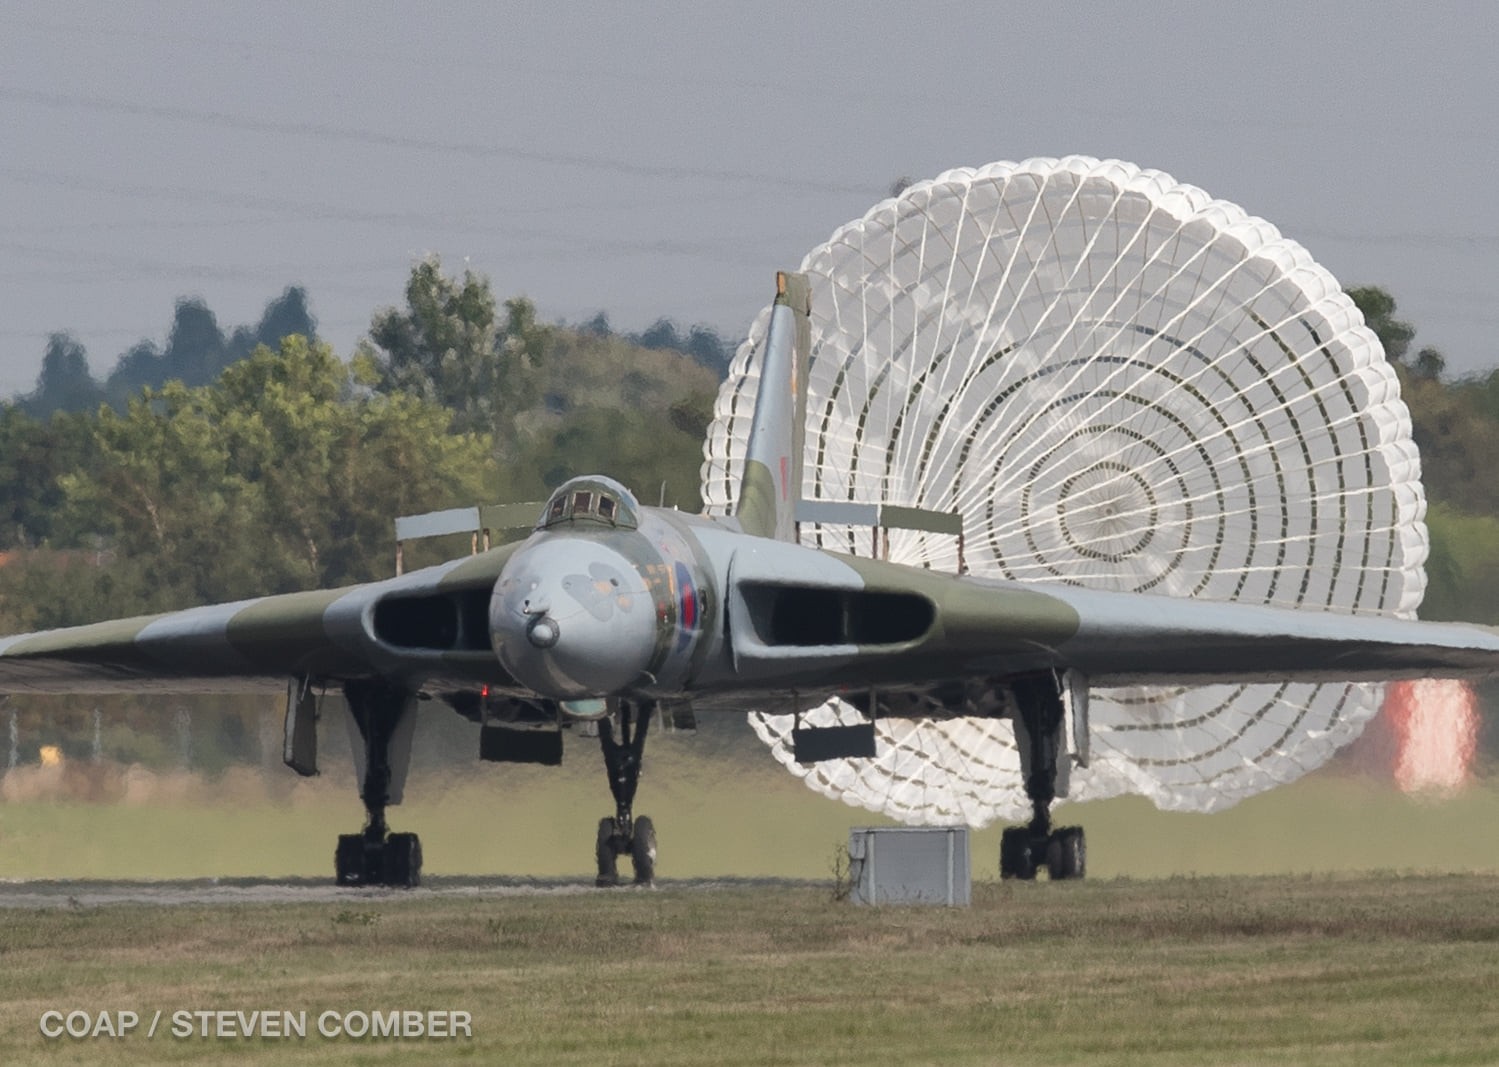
column 623, row 834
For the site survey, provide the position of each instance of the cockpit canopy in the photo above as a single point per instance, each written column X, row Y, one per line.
column 591, row 499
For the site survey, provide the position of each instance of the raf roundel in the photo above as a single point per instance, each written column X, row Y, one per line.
column 688, row 609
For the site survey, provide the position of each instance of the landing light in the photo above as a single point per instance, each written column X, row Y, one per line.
column 543, row 632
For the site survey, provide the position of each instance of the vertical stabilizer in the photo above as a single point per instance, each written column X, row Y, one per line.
column 773, row 463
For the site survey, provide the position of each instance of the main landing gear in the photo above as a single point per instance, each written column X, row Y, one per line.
column 384, row 718
column 1040, row 732
column 623, row 834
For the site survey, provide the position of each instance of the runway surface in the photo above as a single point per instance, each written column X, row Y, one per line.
column 210, row 891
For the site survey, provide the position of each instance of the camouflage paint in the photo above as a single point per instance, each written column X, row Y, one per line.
column 772, row 479
column 757, row 500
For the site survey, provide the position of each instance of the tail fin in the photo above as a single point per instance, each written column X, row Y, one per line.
column 773, row 463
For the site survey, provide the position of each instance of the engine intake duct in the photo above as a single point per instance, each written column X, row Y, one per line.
column 439, row 622
column 807, row 616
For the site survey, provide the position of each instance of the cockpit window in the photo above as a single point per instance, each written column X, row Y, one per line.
column 592, row 500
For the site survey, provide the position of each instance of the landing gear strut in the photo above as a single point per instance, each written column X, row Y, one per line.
column 624, row 834
column 1040, row 733
column 376, row 856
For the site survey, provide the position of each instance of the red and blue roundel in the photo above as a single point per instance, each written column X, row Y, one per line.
column 689, row 608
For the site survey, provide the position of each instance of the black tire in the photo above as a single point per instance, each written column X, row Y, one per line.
column 606, row 856
column 643, row 851
column 1015, row 854
column 1080, row 851
column 348, row 860
column 403, row 861
column 1066, row 854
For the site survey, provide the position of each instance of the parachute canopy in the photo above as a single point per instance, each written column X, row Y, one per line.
column 1118, row 382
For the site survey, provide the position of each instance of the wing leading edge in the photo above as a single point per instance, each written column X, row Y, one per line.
column 256, row 645
column 1135, row 639
column 982, row 627
column 430, row 626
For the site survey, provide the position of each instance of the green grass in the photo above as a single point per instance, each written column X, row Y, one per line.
column 1349, row 970
column 717, row 814
column 1139, row 965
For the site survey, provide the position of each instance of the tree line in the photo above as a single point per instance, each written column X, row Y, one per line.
column 259, row 462
column 1455, row 425
column 223, row 465
column 228, row 463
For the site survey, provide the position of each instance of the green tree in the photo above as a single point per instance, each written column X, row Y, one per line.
column 442, row 346
column 47, row 588
column 285, row 316
column 655, row 458
column 450, row 346
column 335, row 467
column 197, row 351
column 281, row 477
column 1429, row 364
column 1456, row 428
column 702, row 343
column 34, row 455
column 195, row 347
column 161, row 488
column 1378, row 308
column 65, row 383
column 1462, row 571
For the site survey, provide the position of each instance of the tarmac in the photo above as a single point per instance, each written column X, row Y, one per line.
column 42, row 894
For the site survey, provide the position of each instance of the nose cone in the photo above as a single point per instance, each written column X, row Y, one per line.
column 571, row 618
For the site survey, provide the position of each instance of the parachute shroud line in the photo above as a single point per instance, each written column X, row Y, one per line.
column 1115, row 381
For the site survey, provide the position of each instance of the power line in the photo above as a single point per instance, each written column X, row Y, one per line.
column 302, row 211
column 1408, row 239
column 376, row 138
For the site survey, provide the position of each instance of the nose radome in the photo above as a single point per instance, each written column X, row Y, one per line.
column 571, row 618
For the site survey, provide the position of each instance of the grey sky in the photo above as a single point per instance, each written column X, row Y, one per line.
column 665, row 159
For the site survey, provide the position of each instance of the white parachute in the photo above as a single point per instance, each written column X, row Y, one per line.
column 1118, row 382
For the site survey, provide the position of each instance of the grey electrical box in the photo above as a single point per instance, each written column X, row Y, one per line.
column 909, row 865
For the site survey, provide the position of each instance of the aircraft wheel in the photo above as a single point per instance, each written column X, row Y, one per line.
column 604, row 851
column 403, row 860
column 643, row 851
column 1015, row 854
column 1066, row 854
column 348, row 860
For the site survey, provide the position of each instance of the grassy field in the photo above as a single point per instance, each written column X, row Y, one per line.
column 1346, row 970
column 1141, row 964
column 717, row 814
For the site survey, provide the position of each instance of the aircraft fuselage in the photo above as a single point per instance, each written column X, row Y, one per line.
column 584, row 609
